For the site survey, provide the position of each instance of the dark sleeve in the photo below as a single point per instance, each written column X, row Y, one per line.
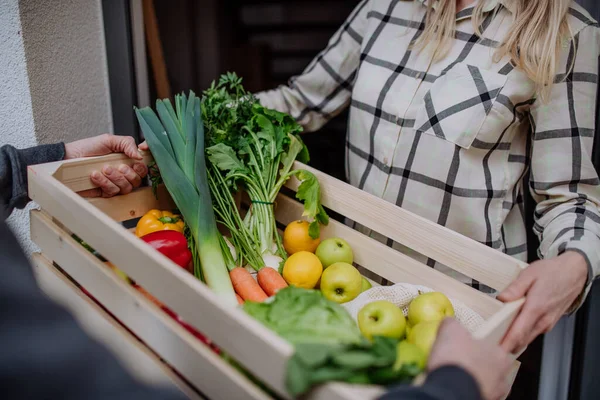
column 446, row 383
column 44, row 354
column 13, row 172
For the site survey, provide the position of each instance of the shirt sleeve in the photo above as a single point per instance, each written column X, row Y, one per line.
column 563, row 180
column 13, row 172
column 324, row 88
column 445, row 383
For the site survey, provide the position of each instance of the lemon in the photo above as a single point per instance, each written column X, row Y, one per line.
column 302, row 269
column 296, row 238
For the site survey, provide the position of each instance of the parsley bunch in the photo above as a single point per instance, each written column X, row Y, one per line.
column 252, row 148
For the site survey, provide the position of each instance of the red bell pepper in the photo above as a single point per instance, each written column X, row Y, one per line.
column 172, row 244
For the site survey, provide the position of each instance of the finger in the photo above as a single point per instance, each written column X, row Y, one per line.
column 543, row 325
column 124, row 144
column 140, row 169
column 518, row 288
column 449, row 327
column 143, row 146
column 95, row 192
column 107, row 188
column 517, row 335
column 117, row 178
column 134, row 179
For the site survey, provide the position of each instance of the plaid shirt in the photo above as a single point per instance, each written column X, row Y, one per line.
column 452, row 140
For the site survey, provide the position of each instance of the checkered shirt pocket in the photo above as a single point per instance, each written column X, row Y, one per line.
column 458, row 102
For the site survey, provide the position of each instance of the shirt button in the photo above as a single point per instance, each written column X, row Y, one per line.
column 385, row 160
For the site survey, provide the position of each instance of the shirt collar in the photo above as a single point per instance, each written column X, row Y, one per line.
column 490, row 4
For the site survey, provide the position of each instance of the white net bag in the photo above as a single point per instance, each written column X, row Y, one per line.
column 401, row 294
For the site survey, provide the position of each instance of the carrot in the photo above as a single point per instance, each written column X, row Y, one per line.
column 245, row 285
column 270, row 280
column 239, row 299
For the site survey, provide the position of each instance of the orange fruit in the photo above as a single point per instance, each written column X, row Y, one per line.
column 296, row 238
column 302, row 269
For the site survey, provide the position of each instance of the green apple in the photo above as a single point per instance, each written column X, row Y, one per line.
column 366, row 285
column 408, row 327
column 409, row 353
column 433, row 306
column 381, row 318
column 333, row 250
column 341, row 282
column 423, row 335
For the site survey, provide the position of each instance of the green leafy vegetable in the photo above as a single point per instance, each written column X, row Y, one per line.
column 253, row 148
column 306, row 316
column 363, row 363
column 328, row 344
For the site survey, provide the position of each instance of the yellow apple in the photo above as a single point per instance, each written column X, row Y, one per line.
column 423, row 335
column 341, row 282
column 409, row 353
column 366, row 285
column 433, row 306
column 381, row 318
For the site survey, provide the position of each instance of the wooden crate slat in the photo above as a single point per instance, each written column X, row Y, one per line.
column 135, row 204
column 49, row 277
column 165, row 336
column 478, row 261
column 75, row 174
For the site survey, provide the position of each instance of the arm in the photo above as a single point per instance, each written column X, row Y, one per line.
column 323, row 90
column 13, row 172
column 45, row 354
column 445, row 383
column 566, row 188
column 14, row 162
column 460, row 368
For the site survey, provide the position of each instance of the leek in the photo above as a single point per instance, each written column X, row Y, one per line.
column 176, row 140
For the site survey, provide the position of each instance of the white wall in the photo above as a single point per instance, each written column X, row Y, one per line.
column 66, row 62
column 53, row 77
column 16, row 116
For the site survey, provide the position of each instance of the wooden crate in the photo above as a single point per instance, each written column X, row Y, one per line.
column 99, row 222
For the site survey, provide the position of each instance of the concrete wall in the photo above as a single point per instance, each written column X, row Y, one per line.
column 66, row 62
column 16, row 114
column 53, row 79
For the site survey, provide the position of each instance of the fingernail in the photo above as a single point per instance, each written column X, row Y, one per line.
column 138, row 168
column 95, row 175
column 108, row 169
column 123, row 168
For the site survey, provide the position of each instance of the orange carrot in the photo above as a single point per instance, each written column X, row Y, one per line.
column 245, row 285
column 270, row 280
column 239, row 299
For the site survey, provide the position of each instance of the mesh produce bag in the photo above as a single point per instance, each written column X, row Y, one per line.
column 401, row 294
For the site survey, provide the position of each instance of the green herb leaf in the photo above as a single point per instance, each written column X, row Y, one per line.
column 298, row 379
column 314, row 354
column 355, row 359
column 225, row 158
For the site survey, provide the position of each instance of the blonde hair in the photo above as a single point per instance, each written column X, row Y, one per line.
column 533, row 43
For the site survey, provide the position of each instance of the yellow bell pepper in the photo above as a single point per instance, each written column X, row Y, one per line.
column 156, row 220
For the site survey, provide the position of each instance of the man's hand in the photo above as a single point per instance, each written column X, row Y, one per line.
column 487, row 363
column 550, row 287
column 111, row 181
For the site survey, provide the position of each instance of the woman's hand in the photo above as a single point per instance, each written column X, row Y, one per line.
column 551, row 287
column 110, row 181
